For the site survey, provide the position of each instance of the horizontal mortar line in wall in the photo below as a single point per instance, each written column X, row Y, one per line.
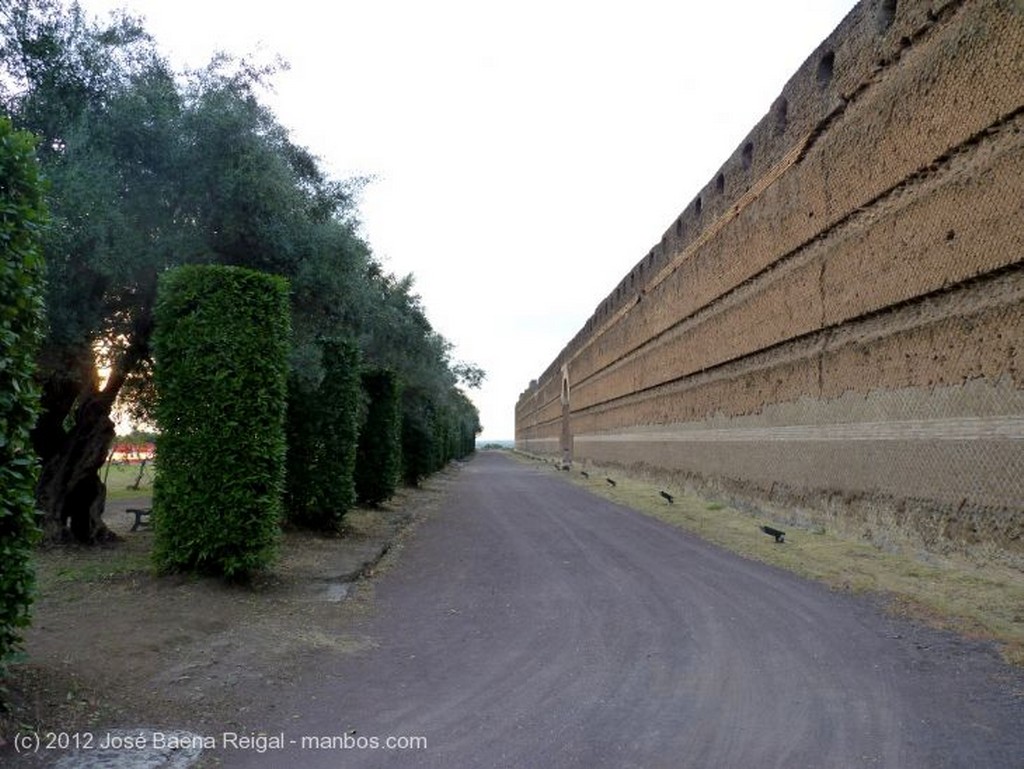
column 552, row 420
column 954, row 429
column 709, row 232
column 793, row 156
column 796, row 152
column 920, row 176
column 820, row 339
column 921, row 34
column 547, row 423
column 744, row 201
column 883, row 67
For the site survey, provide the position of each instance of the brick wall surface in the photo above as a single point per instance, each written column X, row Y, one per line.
column 835, row 323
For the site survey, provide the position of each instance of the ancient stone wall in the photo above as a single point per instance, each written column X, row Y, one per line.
column 835, row 324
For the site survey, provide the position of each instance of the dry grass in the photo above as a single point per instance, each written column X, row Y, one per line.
column 120, row 480
column 112, row 642
column 981, row 598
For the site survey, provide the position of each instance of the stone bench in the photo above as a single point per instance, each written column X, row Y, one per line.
column 140, row 513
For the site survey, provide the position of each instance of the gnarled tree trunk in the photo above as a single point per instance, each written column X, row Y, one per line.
column 70, row 493
column 74, row 433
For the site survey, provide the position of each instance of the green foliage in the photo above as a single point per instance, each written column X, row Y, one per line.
column 108, row 111
column 22, row 214
column 465, row 425
column 341, row 402
column 323, row 430
column 221, row 345
column 436, row 430
column 419, row 454
column 151, row 169
column 302, row 435
column 436, row 416
column 379, row 461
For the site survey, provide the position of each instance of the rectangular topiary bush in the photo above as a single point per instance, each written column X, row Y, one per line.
column 323, row 430
column 220, row 346
column 22, row 214
column 379, row 460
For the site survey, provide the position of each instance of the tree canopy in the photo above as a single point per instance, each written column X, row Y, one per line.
column 151, row 169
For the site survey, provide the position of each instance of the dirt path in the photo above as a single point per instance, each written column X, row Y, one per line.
column 532, row 625
column 115, row 651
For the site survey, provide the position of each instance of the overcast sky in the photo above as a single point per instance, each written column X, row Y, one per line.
column 525, row 154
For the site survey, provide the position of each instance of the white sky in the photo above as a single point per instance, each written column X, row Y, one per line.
column 526, row 153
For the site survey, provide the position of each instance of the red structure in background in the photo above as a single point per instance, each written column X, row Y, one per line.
column 132, row 453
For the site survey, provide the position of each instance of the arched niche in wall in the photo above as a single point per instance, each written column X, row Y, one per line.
column 565, row 442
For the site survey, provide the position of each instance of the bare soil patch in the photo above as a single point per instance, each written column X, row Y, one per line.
column 112, row 645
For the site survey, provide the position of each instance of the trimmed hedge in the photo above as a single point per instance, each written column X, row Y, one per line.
column 433, row 434
column 323, row 432
column 379, row 460
column 418, row 443
column 22, row 215
column 220, row 344
column 304, row 447
column 341, row 401
column 465, row 427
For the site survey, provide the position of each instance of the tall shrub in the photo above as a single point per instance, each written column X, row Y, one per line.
column 418, row 442
column 379, row 460
column 22, row 215
column 305, row 447
column 466, row 426
column 442, row 437
column 220, row 345
column 324, row 431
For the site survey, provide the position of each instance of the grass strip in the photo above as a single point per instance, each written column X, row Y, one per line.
column 976, row 599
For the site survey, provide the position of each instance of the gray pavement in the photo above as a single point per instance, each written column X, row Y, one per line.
column 530, row 624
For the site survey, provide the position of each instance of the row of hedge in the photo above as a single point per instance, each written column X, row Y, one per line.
column 379, row 459
column 221, row 348
column 22, row 214
column 228, row 409
column 323, row 423
column 434, row 434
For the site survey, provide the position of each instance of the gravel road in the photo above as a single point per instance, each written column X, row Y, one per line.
column 530, row 624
